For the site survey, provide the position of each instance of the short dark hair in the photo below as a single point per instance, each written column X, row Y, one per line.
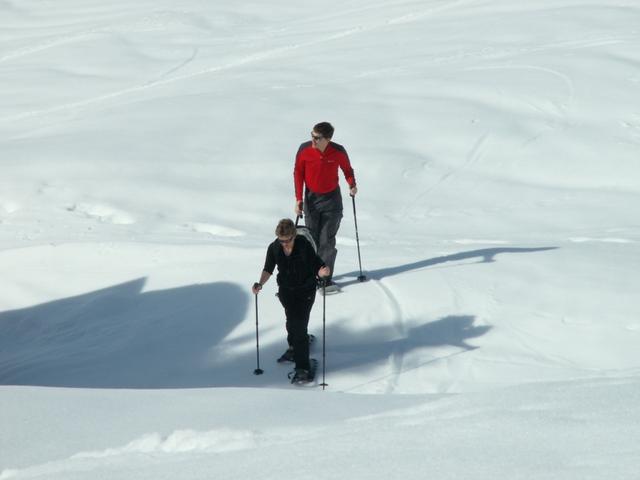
column 286, row 228
column 325, row 129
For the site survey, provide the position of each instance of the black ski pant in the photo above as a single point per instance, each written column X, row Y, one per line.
column 323, row 215
column 297, row 308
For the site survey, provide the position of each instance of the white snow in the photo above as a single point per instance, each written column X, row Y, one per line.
column 146, row 151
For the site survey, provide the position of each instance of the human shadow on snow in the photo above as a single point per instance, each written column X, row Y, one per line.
column 121, row 337
column 382, row 344
column 484, row 255
column 125, row 337
column 349, row 349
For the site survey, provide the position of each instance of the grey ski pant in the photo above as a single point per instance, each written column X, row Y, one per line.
column 323, row 215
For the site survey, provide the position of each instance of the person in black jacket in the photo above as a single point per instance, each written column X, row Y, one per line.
column 298, row 268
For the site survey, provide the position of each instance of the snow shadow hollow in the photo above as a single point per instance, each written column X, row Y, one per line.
column 120, row 337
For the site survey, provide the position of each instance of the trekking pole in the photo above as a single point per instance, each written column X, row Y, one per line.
column 258, row 370
column 361, row 277
column 324, row 333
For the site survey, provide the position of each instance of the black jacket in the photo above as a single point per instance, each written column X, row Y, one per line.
column 297, row 271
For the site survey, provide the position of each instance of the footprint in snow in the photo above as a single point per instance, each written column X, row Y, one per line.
column 103, row 213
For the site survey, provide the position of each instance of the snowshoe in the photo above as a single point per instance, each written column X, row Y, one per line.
column 287, row 356
column 300, row 376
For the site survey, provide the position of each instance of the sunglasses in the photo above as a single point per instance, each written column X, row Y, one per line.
column 284, row 242
column 317, row 138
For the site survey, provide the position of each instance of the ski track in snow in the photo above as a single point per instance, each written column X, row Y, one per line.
column 162, row 81
column 558, row 110
column 156, row 21
column 475, row 154
column 38, row 48
column 397, row 317
column 266, row 55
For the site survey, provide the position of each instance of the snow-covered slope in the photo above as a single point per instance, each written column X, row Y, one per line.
column 147, row 154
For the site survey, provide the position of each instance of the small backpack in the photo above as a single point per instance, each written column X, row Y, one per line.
column 304, row 231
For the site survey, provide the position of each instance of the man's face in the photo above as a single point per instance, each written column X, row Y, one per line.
column 318, row 141
column 287, row 243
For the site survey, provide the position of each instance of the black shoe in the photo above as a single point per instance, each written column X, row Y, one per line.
column 287, row 356
column 300, row 375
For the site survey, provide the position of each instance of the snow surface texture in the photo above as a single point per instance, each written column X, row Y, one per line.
column 146, row 151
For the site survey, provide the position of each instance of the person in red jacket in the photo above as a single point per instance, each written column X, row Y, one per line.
column 316, row 172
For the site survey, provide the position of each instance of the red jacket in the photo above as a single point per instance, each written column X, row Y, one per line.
column 319, row 170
